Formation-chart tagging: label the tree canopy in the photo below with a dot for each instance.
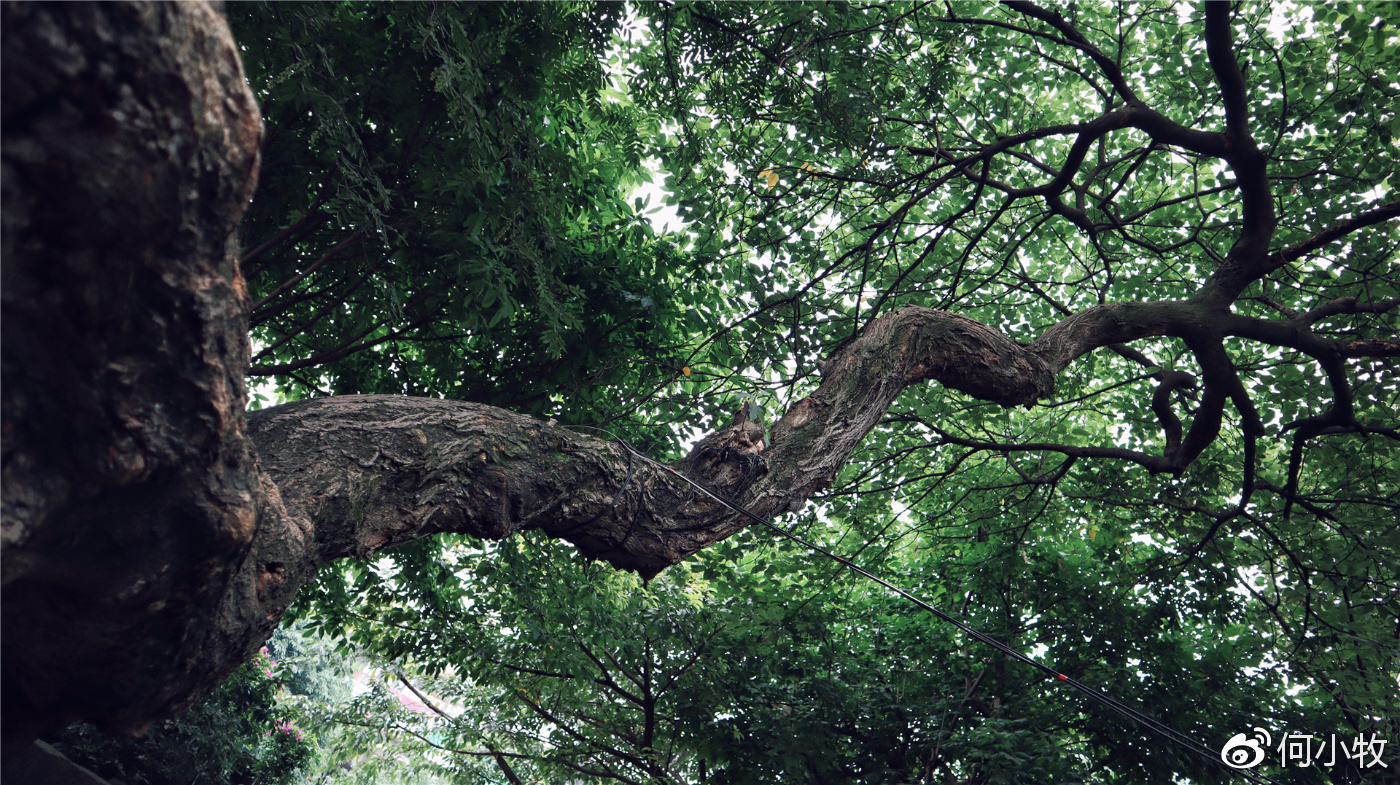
(443, 206)
(1148, 251)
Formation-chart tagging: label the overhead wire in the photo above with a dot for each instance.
(1094, 695)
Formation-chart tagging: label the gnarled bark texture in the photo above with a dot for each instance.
(130, 495)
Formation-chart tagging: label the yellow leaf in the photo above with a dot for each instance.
(769, 175)
(686, 370)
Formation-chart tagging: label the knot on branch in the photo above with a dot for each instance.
(728, 461)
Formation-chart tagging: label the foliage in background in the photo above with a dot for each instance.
(835, 161)
(241, 735)
(442, 209)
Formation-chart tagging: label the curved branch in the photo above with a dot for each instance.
(1105, 63)
(359, 473)
(1233, 93)
(1114, 323)
(1344, 305)
(1295, 334)
(1331, 234)
(1171, 381)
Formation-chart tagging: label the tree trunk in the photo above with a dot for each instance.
(130, 490)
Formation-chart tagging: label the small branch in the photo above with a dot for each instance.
(348, 242)
(336, 301)
(424, 698)
(313, 213)
(1231, 279)
(305, 224)
(1153, 463)
(1333, 233)
(349, 346)
(1344, 305)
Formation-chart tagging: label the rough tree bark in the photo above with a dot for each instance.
(130, 151)
(153, 535)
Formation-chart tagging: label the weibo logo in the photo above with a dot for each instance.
(1245, 752)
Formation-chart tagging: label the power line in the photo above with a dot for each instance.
(1152, 724)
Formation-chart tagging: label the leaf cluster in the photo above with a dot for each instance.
(442, 208)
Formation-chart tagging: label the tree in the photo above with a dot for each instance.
(1227, 218)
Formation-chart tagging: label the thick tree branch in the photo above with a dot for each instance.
(1162, 406)
(1115, 323)
(128, 480)
(1246, 260)
(1233, 94)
